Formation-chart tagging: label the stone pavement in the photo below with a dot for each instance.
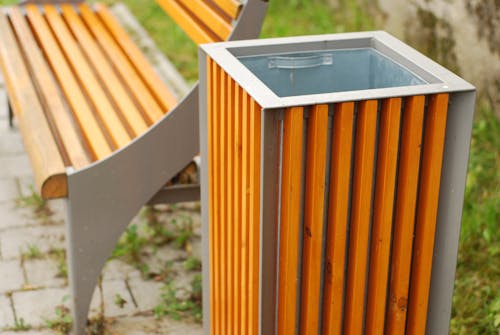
(32, 265)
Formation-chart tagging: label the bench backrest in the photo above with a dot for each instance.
(203, 21)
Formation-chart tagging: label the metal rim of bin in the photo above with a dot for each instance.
(455, 156)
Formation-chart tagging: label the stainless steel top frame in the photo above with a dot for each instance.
(434, 77)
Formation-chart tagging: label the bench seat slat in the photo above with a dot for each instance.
(50, 96)
(209, 17)
(39, 143)
(189, 24)
(103, 69)
(230, 7)
(91, 131)
(127, 72)
(90, 83)
(162, 93)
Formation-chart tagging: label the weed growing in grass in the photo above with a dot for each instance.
(35, 201)
(20, 324)
(130, 245)
(120, 301)
(59, 255)
(192, 264)
(62, 320)
(32, 251)
(184, 230)
(178, 308)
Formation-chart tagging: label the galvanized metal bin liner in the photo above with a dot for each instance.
(299, 133)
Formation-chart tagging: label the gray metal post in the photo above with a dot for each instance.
(269, 212)
(451, 197)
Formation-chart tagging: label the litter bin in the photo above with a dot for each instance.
(333, 176)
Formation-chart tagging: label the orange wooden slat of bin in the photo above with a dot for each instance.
(290, 219)
(360, 216)
(56, 112)
(91, 131)
(216, 194)
(245, 217)
(104, 71)
(387, 153)
(435, 129)
(338, 214)
(191, 25)
(313, 218)
(404, 223)
(87, 77)
(254, 217)
(223, 202)
(231, 220)
(237, 148)
(211, 202)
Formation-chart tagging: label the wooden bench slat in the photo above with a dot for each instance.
(104, 71)
(48, 167)
(115, 129)
(230, 7)
(91, 131)
(189, 24)
(209, 17)
(55, 110)
(127, 72)
(162, 93)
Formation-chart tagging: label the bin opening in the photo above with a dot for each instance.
(328, 71)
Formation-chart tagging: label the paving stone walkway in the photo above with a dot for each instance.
(32, 265)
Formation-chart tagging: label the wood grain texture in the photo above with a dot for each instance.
(254, 216)
(360, 216)
(245, 220)
(430, 179)
(85, 74)
(238, 192)
(223, 245)
(125, 106)
(404, 224)
(161, 92)
(217, 193)
(191, 25)
(48, 167)
(81, 109)
(149, 107)
(290, 225)
(338, 214)
(314, 212)
(58, 116)
(211, 191)
(385, 189)
(209, 17)
(230, 7)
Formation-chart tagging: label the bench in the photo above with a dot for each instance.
(100, 127)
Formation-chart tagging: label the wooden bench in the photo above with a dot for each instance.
(99, 126)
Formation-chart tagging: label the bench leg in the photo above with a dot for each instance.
(92, 232)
